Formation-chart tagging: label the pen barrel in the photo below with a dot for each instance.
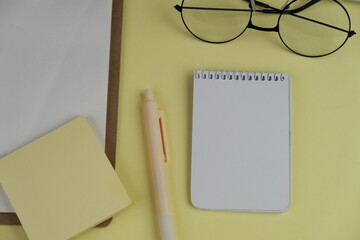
(157, 160)
(166, 227)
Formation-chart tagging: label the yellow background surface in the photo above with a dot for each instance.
(160, 54)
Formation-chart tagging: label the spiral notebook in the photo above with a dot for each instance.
(241, 141)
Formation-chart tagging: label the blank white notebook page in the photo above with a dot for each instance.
(241, 142)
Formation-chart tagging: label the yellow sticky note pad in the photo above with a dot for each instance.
(62, 183)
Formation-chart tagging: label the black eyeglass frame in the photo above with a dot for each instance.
(271, 10)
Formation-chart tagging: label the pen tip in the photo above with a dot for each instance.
(148, 95)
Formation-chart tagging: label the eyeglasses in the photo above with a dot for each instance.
(311, 28)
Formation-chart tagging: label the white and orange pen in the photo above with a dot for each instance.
(156, 136)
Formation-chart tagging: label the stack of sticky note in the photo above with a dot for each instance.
(62, 183)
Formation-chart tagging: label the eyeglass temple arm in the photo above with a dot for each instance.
(261, 4)
(264, 5)
(307, 5)
(350, 33)
(180, 8)
(276, 10)
(258, 3)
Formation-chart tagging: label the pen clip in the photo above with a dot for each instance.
(163, 135)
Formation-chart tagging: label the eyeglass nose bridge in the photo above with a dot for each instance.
(273, 29)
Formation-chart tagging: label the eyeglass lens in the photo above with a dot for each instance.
(310, 38)
(216, 25)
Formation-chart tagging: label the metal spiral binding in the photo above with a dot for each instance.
(239, 76)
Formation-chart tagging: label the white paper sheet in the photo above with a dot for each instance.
(241, 142)
(54, 60)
